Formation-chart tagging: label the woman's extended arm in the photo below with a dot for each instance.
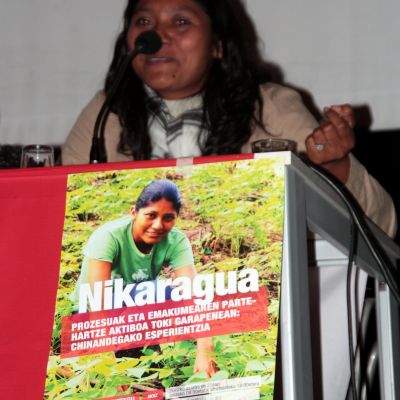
(205, 358)
(98, 271)
(330, 144)
(285, 115)
(336, 135)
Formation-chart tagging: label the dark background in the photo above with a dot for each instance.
(379, 152)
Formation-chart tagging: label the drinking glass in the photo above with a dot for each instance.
(37, 155)
(273, 144)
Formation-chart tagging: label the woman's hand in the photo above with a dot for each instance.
(329, 145)
(205, 359)
(99, 270)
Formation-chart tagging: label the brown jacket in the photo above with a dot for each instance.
(284, 116)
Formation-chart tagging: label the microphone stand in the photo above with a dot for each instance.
(148, 42)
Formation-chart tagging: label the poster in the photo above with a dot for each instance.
(114, 339)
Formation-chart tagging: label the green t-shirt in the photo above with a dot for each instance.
(113, 242)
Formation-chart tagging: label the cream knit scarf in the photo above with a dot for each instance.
(175, 126)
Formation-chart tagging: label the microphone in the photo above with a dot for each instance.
(148, 42)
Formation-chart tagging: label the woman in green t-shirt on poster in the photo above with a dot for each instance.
(136, 247)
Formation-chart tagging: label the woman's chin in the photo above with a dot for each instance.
(160, 80)
(162, 89)
(167, 88)
(153, 239)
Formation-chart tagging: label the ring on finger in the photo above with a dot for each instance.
(319, 146)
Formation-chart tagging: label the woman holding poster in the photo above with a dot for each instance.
(136, 247)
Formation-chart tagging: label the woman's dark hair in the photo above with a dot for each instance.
(157, 190)
(232, 100)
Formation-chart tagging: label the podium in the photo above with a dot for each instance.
(314, 209)
(313, 324)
